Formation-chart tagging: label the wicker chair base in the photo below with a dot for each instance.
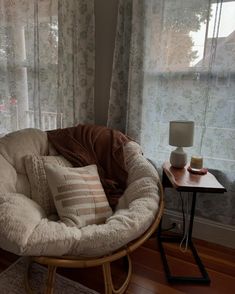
(73, 262)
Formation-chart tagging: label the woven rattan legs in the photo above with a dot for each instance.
(50, 280)
(49, 289)
(73, 262)
(109, 288)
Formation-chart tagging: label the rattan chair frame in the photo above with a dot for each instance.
(75, 262)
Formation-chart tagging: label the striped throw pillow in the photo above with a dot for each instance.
(78, 195)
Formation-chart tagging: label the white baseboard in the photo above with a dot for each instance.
(204, 229)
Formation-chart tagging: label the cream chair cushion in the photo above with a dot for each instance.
(25, 228)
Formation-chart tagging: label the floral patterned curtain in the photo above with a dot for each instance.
(46, 63)
(174, 60)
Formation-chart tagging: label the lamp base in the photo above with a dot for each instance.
(178, 158)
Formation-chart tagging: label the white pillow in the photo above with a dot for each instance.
(78, 195)
(40, 191)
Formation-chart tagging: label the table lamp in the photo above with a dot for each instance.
(180, 135)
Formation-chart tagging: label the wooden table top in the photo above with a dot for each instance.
(182, 180)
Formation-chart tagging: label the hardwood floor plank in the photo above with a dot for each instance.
(144, 266)
(220, 284)
(148, 273)
(222, 259)
(133, 289)
(153, 286)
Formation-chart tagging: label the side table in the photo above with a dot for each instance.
(183, 181)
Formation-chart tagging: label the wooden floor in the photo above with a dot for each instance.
(148, 275)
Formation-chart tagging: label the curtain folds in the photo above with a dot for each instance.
(174, 60)
(76, 64)
(127, 78)
(46, 63)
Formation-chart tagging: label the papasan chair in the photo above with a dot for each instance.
(34, 224)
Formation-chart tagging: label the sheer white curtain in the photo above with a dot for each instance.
(175, 60)
(46, 63)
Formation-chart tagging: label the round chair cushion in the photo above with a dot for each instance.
(26, 230)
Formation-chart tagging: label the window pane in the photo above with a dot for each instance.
(190, 74)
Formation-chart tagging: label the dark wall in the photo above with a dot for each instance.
(105, 29)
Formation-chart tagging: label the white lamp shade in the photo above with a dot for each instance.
(181, 133)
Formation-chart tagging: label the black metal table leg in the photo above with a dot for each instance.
(204, 278)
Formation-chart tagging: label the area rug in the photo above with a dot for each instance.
(12, 280)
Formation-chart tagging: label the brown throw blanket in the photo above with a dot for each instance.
(91, 144)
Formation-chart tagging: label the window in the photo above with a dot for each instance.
(191, 75)
(28, 65)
